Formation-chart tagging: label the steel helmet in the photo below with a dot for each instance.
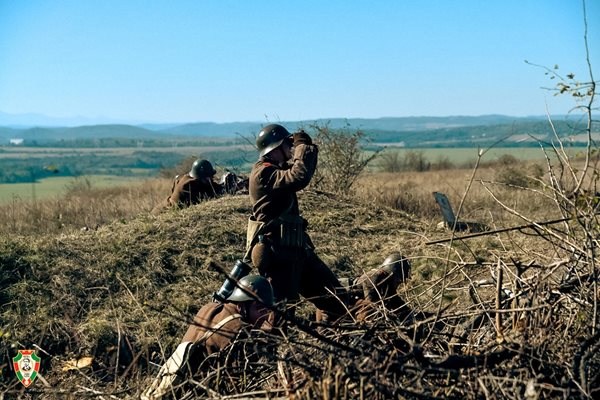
(397, 265)
(253, 287)
(270, 137)
(202, 169)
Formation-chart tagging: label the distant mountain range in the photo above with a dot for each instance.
(406, 131)
(31, 120)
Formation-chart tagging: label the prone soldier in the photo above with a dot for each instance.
(376, 291)
(198, 185)
(216, 325)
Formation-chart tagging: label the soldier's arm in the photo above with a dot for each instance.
(176, 198)
(175, 180)
(301, 172)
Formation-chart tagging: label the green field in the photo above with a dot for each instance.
(52, 152)
(56, 186)
(460, 155)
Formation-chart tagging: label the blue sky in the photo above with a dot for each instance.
(235, 60)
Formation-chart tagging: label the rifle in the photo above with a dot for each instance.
(514, 228)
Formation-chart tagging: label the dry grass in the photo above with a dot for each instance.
(412, 192)
(509, 315)
(83, 207)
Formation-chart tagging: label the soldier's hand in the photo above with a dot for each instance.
(301, 137)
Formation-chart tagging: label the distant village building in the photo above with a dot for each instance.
(15, 141)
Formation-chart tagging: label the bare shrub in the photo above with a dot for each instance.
(415, 160)
(519, 174)
(181, 168)
(442, 163)
(552, 300)
(390, 161)
(341, 158)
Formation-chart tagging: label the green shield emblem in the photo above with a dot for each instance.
(27, 366)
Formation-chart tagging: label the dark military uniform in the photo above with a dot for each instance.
(215, 327)
(368, 309)
(282, 251)
(380, 287)
(187, 191)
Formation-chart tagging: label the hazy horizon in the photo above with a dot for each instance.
(35, 119)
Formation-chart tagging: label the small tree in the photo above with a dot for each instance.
(341, 158)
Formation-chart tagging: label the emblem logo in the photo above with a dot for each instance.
(27, 366)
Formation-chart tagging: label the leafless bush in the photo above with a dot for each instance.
(442, 163)
(341, 158)
(552, 300)
(391, 161)
(518, 174)
(416, 161)
(412, 160)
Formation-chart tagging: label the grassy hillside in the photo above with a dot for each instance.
(123, 293)
(74, 295)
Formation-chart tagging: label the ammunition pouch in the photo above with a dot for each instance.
(287, 231)
(291, 231)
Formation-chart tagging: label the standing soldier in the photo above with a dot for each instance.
(193, 187)
(277, 241)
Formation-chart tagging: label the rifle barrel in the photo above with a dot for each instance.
(514, 228)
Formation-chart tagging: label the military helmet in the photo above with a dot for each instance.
(270, 137)
(202, 169)
(253, 284)
(397, 265)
